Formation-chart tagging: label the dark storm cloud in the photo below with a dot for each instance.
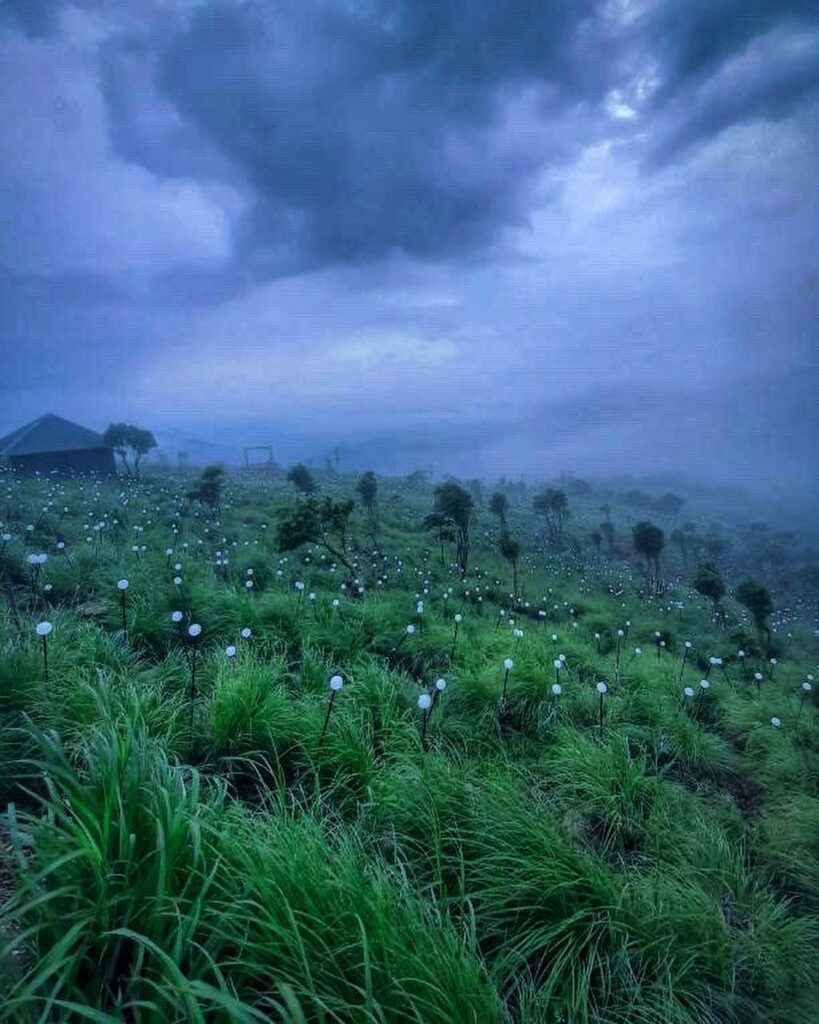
(359, 130)
(693, 38)
(34, 17)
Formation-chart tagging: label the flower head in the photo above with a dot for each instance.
(44, 628)
(424, 701)
(336, 682)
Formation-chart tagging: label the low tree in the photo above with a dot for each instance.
(710, 584)
(453, 510)
(208, 488)
(302, 479)
(757, 599)
(509, 549)
(131, 444)
(320, 521)
(669, 504)
(649, 541)
(553, 505)
(476, 490)
(498, 506)
(367, 488)
(680, 539)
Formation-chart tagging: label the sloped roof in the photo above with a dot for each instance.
(49, 433)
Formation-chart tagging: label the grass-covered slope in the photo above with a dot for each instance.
(192, 832)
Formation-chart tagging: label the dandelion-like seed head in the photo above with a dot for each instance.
(440, 685)
(689, 691)
(601, 687)
(246, 633)
(230, 651)
(122, 584)
(704, 684)
(410, 629)
(336, 682)
(424, 701)
(557, 689)
(776, 722)
(44, 628)
(176, 616)
(194, 629)
(459, 617)
(508, 664)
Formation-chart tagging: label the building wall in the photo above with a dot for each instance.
(84, 460)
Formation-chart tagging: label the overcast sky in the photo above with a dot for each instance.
(497, 236)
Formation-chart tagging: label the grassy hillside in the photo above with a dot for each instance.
(198, 828)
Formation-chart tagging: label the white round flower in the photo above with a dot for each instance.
(638, 650)
(246, 633)
(336, 682)
(601, 687)
(807, 686)
(688, 645)
(689, 691)
(704, 684)
(43, 628)
(459, 617)
(410, 629)
(122, 584)
(230, 651)
(508, 664)
(299, 585)
(776, 722)
(424, 701)
(440, 685)
(176, 616)
(177, 580)
(557, 689)
(758, 676)
(194, 629)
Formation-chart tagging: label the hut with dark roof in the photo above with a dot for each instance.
(51, 444)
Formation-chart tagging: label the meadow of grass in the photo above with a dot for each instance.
(193, 832)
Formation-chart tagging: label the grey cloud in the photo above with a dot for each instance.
(34, 17)
(693, 38)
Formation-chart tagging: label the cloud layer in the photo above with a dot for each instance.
(521, 235)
